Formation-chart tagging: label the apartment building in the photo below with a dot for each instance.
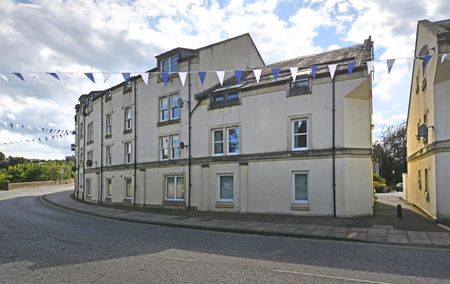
(428, 127)
(272, 145)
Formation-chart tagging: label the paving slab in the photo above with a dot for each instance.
(397, 239)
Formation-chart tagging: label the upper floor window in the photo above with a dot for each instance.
(90, 132)
(108, 155)
(81, 130)
(108, 124)
(299, 134)
(128, 118)
(108, 96)
(169, 108)
(169, 64)
(128, 153)
(169, 147)
(300, 86)
(127, 87)
(90, 104)
(224, 99)
(226, 141)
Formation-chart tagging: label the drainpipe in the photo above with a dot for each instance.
(84, 152)
(189, 135)
(135, 143)
(333, 149)
(101, 150)
(78, 156)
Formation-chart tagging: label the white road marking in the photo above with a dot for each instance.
(329, 276)
(176, 258)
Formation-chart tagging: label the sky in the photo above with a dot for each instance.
(73, 37)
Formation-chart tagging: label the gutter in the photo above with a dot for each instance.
(135, 144)
(333, 149)
(101, 150)
(189, 136)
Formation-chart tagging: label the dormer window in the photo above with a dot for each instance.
(169, 64)
(224, 99)
(127, 87)
(300, 86)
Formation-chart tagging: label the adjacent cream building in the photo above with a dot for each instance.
(428, 127)
(247, 146)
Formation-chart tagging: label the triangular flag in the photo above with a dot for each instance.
(46, 139)
(427, 59)
(126, 76)
(4, 77)
(275, 72)
(12, 125)
(369, 66)
(144, 77)
(90, 76)
(390, 63)
(445, 56)
(314, 71)
(54, 75)
(34, 75)
(106, 77)
(202, 76)
(238, 75)
(182, 76)
(410, 62)
(332, 69)
(257, 73)
(294, 71)
(350, 67)
(220, 76)
(165, 77)
(18, 75)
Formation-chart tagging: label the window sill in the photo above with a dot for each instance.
(168, 122)
(108, 136)
(128, 131)
(224, 104)
(300, 207)
(299, 91)
(225, 204)
(127, 200)
(176, 203)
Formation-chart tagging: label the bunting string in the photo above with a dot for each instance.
(24, 127)
(37, 140)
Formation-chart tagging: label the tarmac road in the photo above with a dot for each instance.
(42, 244)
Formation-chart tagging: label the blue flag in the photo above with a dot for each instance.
(314, 71)
(18, 75)
(275, 72)
(90, 76)
(126, 76)
(202, 76)
(427, 59)
(54, 75)
(351, 66)
(238, 75)
(165, 77)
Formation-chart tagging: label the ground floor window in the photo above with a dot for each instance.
(128, 188)
(88, 187)
(300, 187)
(226, 187)
(175, 188)
(108, 188)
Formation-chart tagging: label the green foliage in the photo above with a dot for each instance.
(379, 183)
(37, 171)
(2, 157)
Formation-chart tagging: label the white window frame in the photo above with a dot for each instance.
(166, 109)
(128, 120)
(172, 148)
(108, 155)
(90, 132)
(161, 148)
(108, 182)
(294, 201)
(109, 124)
(218, 187)
(169, 109)
(169, 59)
(88, 187)
(90, 156)
(293, 148)
(131, 184)
(128, 154)
(226, 140)
(175, 188)
(173, 106)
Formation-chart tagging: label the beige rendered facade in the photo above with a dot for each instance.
(428, 149)
(261, 147)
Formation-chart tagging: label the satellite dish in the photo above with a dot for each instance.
(72, 147)
(89, 163)
(180, 102)
(182, 145)
(423, 131)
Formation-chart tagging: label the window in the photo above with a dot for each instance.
(127, 87)
(299, 134)
(90, 104)
(81, 161)
(128, 188)
(224, 99)
(426, 179)
(88, 187)
(175, 188)
(81, 130)
(419, 179)
(168, 108)
(226, 186)
(169, 143)
(108, 155)
(108, 96)
(90, 133)
(169, 64)
(108, 188)
(90, 156)
(300, 187)
(232, 146)
(128, 118)
(128, 153)
(300, 86)
(108, 125)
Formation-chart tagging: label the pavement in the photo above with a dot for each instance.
(384, 226)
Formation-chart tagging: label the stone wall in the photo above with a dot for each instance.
(18, 185)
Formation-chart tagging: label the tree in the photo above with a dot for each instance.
(390, 152)
(2, 157)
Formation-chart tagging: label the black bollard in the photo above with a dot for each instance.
(399, 211)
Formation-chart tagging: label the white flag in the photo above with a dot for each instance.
(4, 77)
(369, 66)
(294, 71)
(409, 62)
(6, 125)
(445, 56)
(182, 77)
(220, 75)
(332, 68)
(257, 73)
(106, 77)
(144, 77)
